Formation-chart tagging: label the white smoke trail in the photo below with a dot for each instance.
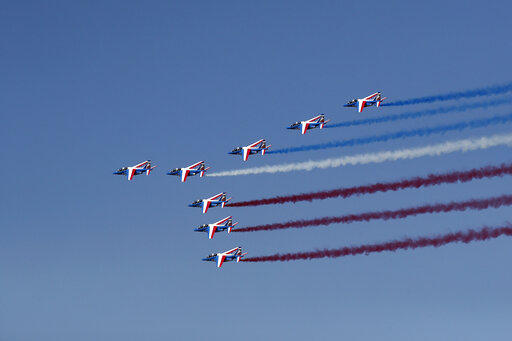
(465, 145)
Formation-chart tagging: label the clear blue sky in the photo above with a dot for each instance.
(88, 87)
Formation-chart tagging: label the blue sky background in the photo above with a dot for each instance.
(88, 87)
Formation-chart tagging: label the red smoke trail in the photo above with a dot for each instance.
(417, 182)
(485, 233)
(474, 204)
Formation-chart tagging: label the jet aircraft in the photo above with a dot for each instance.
(216, 200)
(253, 148)
(318, 121)
(196, 168)
(226, 256)
(221, 225)
(143, 167)
(373, 99)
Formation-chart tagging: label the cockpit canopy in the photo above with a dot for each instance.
(212, 255)
(203, 226)
(352, 101)
(176, 170)
(122, 169)
(237, 149)
(198, 201)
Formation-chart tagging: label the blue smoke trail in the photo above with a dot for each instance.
(423, 113)
(480, 123)
(492, 90)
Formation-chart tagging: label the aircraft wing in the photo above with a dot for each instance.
(360, 105)
(220, 259)
(247, 151)
(371, 96)
(216, 196)
(304, 127)
(255, 143)
(222, 221)
(130, 172)
(142, 164)
(311, 120)
(232, 251)
(211, 231)
(206, 205)
(184, 174)
(195, 165)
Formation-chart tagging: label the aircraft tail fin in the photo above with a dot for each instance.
(225, 201)
(240, 256)
(149, 168)
(323, 124)
(231, 227)
(202, 171)
(380, 101)
(265, 149)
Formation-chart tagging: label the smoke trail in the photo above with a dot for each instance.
(423, 113)
(473, 204)
(474, 124)
(464, 145)
(466, 237)
(417, 182)
(492, 90)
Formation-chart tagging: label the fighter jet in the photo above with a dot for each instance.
(196, 168)
(221, 225)
(216, 200)
(373, 99)
(253, 148)
(143, 167)
(318, 121)
(226, 256)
